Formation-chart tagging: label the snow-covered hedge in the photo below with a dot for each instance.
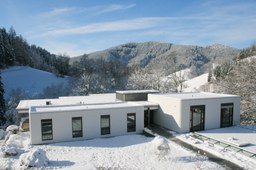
(34, 158)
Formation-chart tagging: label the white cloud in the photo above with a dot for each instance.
(58, 11)
(120, 25)
(115, 7)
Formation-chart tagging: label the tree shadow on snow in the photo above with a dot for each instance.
(60, 163)
(186, 159)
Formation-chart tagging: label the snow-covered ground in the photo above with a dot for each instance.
(232, 135)
(29, 79)
(194, 84)
(122, 152)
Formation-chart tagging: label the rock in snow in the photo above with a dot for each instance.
(34, 158)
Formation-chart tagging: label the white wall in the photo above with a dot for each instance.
(62, 123)
(174, 113)
(212, 112)
(169, 113)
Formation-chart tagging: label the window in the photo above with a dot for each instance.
(77, 127)
(226, 119)
(131, 122)
(197, 118)
(46, 125)
(105, 124)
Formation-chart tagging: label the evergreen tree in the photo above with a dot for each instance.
(2, 102)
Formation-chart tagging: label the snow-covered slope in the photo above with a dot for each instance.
(194, 84)
(29, 79)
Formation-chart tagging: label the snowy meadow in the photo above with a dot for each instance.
(122, 152)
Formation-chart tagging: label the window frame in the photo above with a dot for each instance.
(201, 125)
(80, 132)
(132, 127)
(45, 135)
(105, 130)
(225, 123)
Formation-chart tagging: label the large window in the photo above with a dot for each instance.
(226, 119)
(131, 122)
(197, 117)
(46, 125)
(77, 127)
(105, 124)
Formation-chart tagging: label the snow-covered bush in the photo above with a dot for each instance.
(161, 145)
(34, 158)
(13, 129)
(10, 151)
(18, 140)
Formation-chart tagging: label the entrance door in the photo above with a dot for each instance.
(226, 118)
(148, 117)
(197, 117)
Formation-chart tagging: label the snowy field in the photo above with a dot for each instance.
(194, 84)
(237, 136)
(122, 152)
(31, 80)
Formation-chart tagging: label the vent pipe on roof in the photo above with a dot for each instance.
(48, 103)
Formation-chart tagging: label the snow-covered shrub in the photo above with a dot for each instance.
(10, 151)
(161, 145)
(34, 158)
(2, 134)
(12, 128)
(20, 140)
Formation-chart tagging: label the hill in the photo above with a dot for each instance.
(162, 56)
(32, 81)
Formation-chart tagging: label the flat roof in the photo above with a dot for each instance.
(70, 100)
(51, 108)
(137, 91)
(194, 95)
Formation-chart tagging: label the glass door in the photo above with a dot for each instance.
(197, 117)
(226, 119)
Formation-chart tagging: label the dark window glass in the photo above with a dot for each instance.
(46, 125)
(197, 118)
(77, 127)
(105, 124)
(226, 119)
(131, 122)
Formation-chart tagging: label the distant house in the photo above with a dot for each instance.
(125, 112)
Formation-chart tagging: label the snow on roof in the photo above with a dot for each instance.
(43, 109)
(72, 100)
(194, 95)
(137, 91)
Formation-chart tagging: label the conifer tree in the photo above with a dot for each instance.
(2, 102)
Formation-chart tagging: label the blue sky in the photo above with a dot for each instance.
(76, 27)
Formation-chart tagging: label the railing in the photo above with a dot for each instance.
(225, 145)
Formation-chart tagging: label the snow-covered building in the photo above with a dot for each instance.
(188, 112)
(126, 112)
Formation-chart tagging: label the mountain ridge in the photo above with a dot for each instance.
(161, 56)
